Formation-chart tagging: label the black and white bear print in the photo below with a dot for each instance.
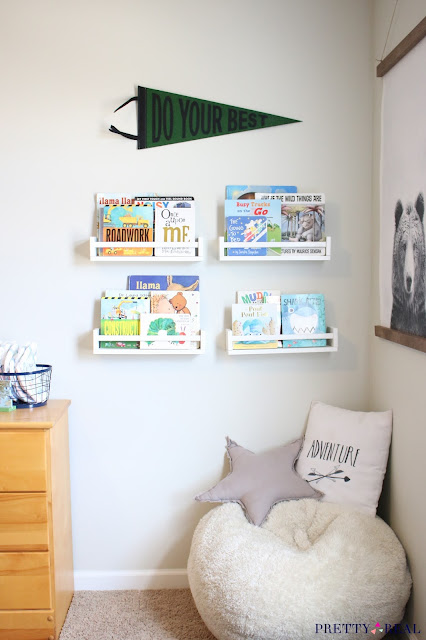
(408, 269)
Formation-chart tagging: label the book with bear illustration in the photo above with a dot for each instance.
(303, 314)
(180, 303)
(257, 320)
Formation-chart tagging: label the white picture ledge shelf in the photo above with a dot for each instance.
(98, 350)
(95, 245)
(331, 336)
(296, 250)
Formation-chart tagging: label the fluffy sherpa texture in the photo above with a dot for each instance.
(310, 563)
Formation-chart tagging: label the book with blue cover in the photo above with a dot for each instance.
(257, 320)
(303, 314)
(240, 191)
(162, 283)
(248, 229)
(264, 209)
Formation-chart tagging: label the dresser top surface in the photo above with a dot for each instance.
(38, 418)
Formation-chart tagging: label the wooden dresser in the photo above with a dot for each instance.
(36, 566)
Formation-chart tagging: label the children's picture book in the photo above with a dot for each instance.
(180, 303)
(248, 229)
(121, 317)
(271, 296)
(257, 320)
(303, 314)
(6, 396)
(269, 210)
(247, 191)
(125, 293)
(302, 220)
(163, 283)
(124, 218)
(174, 222)
(166, 324)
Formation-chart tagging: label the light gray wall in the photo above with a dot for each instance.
(148, 434)
(398, 373)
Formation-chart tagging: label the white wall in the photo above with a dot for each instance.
(148, 434)
(397, 372)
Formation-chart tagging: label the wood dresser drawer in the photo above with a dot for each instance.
(23, 522)
(36, 567)
(23, 461)
(27, 625)
(25, 581)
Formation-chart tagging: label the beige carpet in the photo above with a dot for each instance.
(165, 614)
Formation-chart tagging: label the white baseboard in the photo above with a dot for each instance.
(123, 580)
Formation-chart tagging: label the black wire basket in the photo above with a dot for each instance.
(30, 388)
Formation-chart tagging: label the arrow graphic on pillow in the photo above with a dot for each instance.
(330, 476)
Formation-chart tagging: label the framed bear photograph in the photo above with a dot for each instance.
(403, 193)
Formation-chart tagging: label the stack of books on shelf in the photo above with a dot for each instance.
(152, 309)
(260, 314)
(165, 220)
(272, 213)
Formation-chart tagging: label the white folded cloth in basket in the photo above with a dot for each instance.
(15, 359)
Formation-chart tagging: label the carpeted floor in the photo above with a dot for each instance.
(165, 614)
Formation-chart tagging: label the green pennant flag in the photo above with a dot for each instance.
(167, 118)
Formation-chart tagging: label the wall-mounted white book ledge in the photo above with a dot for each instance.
(170, 345)
(331, 338)
(173, 249)
(282, 250)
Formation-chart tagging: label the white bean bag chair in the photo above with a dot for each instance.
(310, 564)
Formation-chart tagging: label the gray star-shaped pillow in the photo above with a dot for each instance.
(258, 481)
